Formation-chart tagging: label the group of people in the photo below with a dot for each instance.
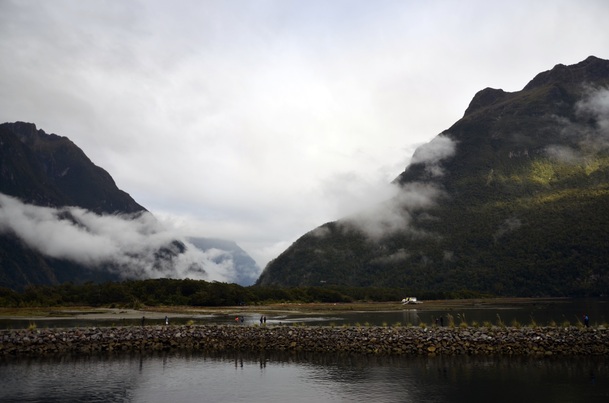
(241, 319)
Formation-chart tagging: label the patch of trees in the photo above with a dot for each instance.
(173, 292)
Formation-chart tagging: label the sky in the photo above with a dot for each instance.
(258, 121)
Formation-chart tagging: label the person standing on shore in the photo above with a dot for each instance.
(586, 320)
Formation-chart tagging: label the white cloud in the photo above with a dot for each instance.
(430, 154)
(395, 215)
(129, 244)
(595, 105)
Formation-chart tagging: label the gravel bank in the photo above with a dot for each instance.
(542, 341)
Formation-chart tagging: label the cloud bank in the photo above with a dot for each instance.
(593, 107)
(396, 214)
(134, 246)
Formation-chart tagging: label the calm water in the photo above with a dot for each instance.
(542, 313)
(198, 377)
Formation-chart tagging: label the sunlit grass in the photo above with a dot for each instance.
(500, 322)
(462, 321)
(451, 321)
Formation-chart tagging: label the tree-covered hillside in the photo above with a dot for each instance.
(511, 200)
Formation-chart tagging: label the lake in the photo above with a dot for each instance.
(277, 377)
(281, 377)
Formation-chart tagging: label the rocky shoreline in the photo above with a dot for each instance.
(539, 341)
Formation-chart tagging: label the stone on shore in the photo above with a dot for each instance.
(539, 341)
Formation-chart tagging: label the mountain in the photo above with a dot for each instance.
(510, 200)
(223, 252)
(63, 219)
(49, 170)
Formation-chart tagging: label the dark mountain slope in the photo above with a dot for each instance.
(511, 200)
(49, 170)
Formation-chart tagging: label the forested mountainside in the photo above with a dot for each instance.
(513, 199)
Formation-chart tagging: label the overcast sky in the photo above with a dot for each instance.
(257, 121)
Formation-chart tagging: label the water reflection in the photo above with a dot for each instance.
(301, 377)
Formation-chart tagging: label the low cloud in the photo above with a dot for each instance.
(586, 138)
(563, 154)
(399, 256)
(396, 214)
(134, 246)
(595, 105)
(508, 225)
(430, 154)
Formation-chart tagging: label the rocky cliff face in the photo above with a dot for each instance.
(510, 200)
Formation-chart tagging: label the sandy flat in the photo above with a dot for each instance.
(301, 308)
